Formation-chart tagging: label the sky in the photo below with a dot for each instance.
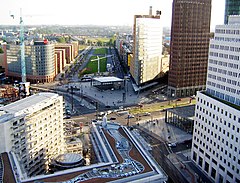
(92, 12)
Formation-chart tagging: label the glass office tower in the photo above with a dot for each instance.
(232, 7)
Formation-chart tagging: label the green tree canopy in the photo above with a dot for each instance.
(61, 40)
(99, 43)
(1, 50)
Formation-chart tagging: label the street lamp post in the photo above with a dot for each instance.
(96, 110)
(72, 96)
(128, 120)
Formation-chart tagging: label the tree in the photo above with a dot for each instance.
(99, 43)
(112, 40)
(211, 35)
(61, 40)
(1, 50)
(89, 42)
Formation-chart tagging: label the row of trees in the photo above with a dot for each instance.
(100, 42)
(63, 39)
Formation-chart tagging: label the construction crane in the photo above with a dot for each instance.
(22, 47)
(24, 86)
(98, 59)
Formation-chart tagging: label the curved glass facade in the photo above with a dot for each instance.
(40, 62)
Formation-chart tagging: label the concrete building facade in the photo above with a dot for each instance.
(189, 47)
(75, 48)
(216, 137)
(60, 59)
(68, 51)
(32, 132)
(147, 47)
(59, 63)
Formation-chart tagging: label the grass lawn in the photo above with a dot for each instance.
(92, 66)
(101, 51)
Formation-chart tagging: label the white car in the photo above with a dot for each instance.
(172, 144)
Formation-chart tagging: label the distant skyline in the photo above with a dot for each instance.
(92, 12)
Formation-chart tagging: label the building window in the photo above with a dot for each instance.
(207, 155)
(213, 173)
(194, 156)
(221, 167)
(200, 161)
(229, 174)
(206, 167)
(214, 161)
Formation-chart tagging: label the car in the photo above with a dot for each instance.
(68, 112)
(67, 117)
(172, 144)
(130, 116)
(193, 97)
(147, 114)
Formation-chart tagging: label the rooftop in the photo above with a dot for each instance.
(27, 105)
(69, 158)
(133, 162)
(185, 111)
(108, 79)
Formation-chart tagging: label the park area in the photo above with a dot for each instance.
(100, 51)
(92, 66)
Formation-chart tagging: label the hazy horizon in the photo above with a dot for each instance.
(92, 12)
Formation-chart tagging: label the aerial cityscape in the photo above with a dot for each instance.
(130, 92)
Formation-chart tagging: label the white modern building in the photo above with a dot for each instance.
(216, 137)
(147, 47)
(32, 132)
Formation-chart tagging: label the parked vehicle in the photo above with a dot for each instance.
(147, 114)
(172, 144)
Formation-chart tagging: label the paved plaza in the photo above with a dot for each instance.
(166, 131)
(108, 97)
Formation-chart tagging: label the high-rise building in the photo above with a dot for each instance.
(216, 137)
(39, 58)
(232, 7)
(190, 34)
(32, 132)
(147, 47)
